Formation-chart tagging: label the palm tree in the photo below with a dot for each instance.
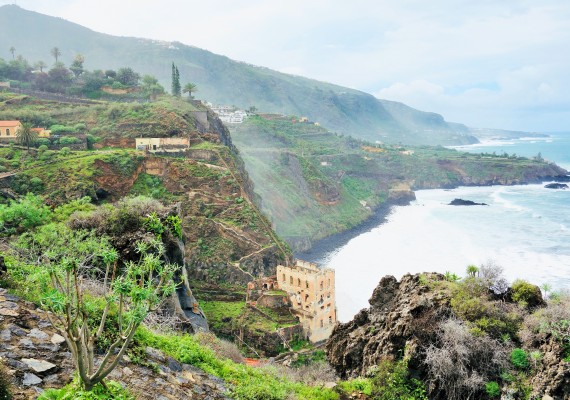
(40, 65)
(189, 88)
(26, 136)
(13, 51)
(55, 52)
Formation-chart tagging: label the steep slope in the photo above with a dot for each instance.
(222, 80)
(314, 183)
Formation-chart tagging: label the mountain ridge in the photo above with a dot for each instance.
(222, 80)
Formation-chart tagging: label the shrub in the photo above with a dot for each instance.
(519, 358)
(73, 391)
(493, 389)
(392, 381)
(65, 151)
(23, 214)
(42, 148)
(462, 363)
(526, 293)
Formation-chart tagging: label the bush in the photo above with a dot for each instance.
(23, 214)
(519, 358)
(493, 389)
(462, 363)
(67, 140)
(392, 381)
(526, 293)
(65, 151)
(42, 148)
(73, 391)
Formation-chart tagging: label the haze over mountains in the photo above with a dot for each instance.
(224, 81)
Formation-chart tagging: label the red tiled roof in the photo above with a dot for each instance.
(9, 123)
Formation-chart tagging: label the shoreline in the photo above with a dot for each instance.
(325, 246)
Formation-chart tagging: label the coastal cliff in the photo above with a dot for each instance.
(457, 336)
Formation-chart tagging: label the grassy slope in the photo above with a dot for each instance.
(296, 167)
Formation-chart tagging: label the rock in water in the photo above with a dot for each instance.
(461, 202)
(556, 185)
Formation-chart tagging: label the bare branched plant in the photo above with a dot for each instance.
(461, 363)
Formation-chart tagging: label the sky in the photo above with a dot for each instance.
(486, 63)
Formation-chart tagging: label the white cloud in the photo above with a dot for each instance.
(488, 62)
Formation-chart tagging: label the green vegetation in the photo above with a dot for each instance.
(74, 391)
(315, 183)
(493, 389)
(248, 383)
(392, 381)
(519, 358)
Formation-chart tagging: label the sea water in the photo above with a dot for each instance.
(524, 229)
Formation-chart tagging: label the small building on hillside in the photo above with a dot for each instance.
(8, 129)
(312, 294)
(42, 132)
(175, 144)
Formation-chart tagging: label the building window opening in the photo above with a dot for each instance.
(307, 284)
(306, 298)
(330, 320)
(7, 132)
(322, 323)
(321, 286)
(284, 278)
(290, 280)
(299, 282)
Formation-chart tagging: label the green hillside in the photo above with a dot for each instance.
(314, 183)
(222, 80)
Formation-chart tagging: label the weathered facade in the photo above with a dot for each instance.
(312, 293)
(162, 144)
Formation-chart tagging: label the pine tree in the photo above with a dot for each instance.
(175, 88)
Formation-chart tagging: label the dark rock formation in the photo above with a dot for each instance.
(556, 185)
(461, 202)
(402, 315)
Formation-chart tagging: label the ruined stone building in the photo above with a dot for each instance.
(312, 294)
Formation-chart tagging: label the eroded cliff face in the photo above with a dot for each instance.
(402, 316)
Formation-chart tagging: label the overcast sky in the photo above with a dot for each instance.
(486, 63)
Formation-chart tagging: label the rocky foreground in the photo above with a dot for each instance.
(410, 317)
(36, 359)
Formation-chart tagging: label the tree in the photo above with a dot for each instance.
(56, 53)
(189, 88)
(26, 136)
(40, 65)
(70, 260)
(150, 86)
(77, 65)
(128, 77)
(13, 51)
(175, 89)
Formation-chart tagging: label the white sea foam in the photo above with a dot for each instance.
(432, 236)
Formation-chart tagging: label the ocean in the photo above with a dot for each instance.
(524, 229)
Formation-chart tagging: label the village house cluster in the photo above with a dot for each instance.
(228, 114)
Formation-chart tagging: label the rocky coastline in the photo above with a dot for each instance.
(318, 250)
